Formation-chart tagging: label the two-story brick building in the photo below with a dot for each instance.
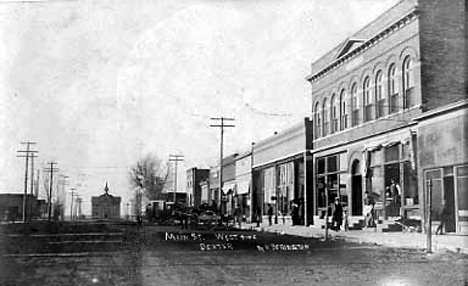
(381, 99)
(195, 177)
(106, 206)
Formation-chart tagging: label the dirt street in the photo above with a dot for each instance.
(171, 256)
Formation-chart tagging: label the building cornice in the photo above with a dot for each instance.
(364, 138)
(281, 159)
(404, 21)
(294, 131)
(443, 110)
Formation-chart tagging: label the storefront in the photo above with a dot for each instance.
(228, 202)
(280, 164)
(382, 167)
(243, 182)
(213, 194)
(443, 161)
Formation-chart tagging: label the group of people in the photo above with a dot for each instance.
(295, 211)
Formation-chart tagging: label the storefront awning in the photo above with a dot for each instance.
(229, 187)
(390, 143)
(243, 187)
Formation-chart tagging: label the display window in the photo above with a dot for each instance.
(331, 180)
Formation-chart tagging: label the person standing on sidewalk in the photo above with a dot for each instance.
(337, 217)
(258, 215)
(444, 218)
(294, 213)
(369, 210)
(346, 220)
(270, 214)
(395, 192)
(238, 215)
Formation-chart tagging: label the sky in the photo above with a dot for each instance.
(100, 83)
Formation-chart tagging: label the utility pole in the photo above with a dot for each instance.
(221, 126)
(252, 207)
(61, 195)
(31, 188)
(71, 203)
(51, 169)
(429, 217)
(79, 199)
(175, 159)
(36, 187)
(326, 211)
(26, 154)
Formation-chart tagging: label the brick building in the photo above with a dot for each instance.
(195, 177)
(383, 104)
(106, 206)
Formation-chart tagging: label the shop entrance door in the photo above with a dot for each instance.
(392, 199)
(449, 194)
(356, 189)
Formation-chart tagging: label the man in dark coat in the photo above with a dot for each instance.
(270, 214)
(337, 218)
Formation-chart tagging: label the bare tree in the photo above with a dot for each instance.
(150, 174)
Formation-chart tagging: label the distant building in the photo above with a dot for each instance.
(105, 206)
(242, 195)
(11, 207)
(213, 185)
(229, 184)
(194, 192)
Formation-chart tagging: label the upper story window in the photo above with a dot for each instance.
(318, 121)
(354, 105)
(325, 118)
(408, 82)
(367, 98)
(334, 113)
(343, 111)
(393, 89)
(379, 95)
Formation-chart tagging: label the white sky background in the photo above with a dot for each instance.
(97, 84)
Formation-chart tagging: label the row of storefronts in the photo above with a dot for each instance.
(389, 120)
(396, 167)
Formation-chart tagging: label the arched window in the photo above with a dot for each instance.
(354, 105)
(379, 94)
(367, 99)
(408, 82)
(334, 105)
(393, 88)
(318, 120)
(343, 111)
(325, 118)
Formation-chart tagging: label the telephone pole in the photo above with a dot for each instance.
(221, 126)
(175, 159)
(51, 170)
(61, 195)
(26, 154)
(31, 188)
(71, 203)
(79, 200)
